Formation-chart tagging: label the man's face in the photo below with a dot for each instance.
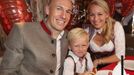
(59, 12)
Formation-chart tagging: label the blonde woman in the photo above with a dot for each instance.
(107, 42)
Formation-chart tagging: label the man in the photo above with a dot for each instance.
(38, 48)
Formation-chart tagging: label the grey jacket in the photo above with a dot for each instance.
(31, 51)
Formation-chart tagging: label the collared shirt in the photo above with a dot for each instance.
(80, 66)
(58, 52)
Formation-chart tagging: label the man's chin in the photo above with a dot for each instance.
(60, 29)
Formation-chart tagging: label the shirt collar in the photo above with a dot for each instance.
(76, 58)
(60, 35)
(43, 25)
(99, 31)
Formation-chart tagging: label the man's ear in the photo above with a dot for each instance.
(47, 10)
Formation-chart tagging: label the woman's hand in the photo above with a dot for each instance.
(94, 70)
(97, 62)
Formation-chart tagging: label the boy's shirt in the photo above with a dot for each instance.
(69, 64)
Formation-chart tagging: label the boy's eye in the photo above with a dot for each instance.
(76, 46)
(83, 45)
(100, 14)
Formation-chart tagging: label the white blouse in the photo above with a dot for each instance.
(80, 66)
(117, 44)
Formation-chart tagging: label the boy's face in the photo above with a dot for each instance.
(79, 46)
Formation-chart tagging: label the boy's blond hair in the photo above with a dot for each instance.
(77, 33)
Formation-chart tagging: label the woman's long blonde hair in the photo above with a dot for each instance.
(109, 27)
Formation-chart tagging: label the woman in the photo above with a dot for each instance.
(107, 42)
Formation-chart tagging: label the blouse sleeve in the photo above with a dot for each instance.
(68, 67)
(119, 40)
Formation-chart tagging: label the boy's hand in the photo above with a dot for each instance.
(94, 70)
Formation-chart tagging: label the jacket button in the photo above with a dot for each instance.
(52, 41)
(53, 55)
(51, 71)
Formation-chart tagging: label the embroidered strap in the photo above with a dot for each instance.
(86, 68)
(74, 63)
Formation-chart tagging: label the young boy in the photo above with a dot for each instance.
(78, 60)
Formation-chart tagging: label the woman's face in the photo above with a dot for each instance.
(97, 16)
